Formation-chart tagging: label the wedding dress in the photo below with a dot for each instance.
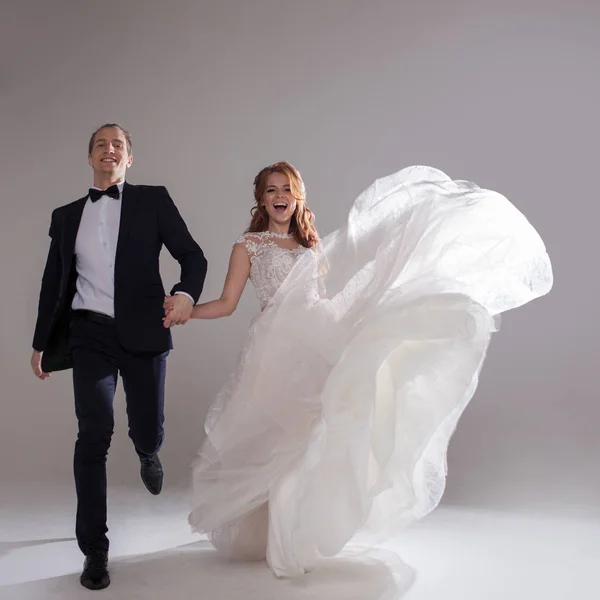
(365, 353)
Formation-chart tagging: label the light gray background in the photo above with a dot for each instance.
(502, 93)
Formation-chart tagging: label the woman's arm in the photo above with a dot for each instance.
(235, 282)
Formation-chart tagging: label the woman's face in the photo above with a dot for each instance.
(278, 200)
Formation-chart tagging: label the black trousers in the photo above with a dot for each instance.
(98, 358)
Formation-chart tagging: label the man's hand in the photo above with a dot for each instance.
(178, 310)
(36, 366)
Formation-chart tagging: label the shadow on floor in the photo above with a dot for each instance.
(196, 572)
(6, 547)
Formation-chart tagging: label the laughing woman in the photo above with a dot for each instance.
(366, 351)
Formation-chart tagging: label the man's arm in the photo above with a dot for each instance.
(48, 299)
(183, 248)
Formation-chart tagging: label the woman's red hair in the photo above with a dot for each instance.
(302, 224)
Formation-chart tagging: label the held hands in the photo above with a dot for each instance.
(36, 366)
(178, 310)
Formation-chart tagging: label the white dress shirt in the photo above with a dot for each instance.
(95, 252)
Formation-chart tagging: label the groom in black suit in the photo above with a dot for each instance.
(101, 313)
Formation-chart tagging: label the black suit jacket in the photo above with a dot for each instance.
(149, 219)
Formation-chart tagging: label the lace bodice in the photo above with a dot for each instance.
(270, 261)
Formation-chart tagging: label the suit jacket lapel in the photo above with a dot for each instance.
(128, 201)
(71, 228)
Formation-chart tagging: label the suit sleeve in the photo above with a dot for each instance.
(183, 248)
(49, 293)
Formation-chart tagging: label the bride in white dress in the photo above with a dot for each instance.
(366, 351)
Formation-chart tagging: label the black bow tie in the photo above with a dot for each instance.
(112, 191)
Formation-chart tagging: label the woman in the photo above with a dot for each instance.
(366, 351)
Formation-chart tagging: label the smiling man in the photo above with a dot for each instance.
(101, 313)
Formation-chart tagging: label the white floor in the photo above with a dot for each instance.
(455, 554)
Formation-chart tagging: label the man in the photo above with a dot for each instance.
(101, 313)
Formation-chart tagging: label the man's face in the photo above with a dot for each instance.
(110, 156)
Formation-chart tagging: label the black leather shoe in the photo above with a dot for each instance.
(95, 574)
(152, 474)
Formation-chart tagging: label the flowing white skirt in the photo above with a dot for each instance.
(351, 383)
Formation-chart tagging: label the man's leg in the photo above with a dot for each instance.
(144, 383)
(94, 382)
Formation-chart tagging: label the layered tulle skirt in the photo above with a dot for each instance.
(351, 382)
